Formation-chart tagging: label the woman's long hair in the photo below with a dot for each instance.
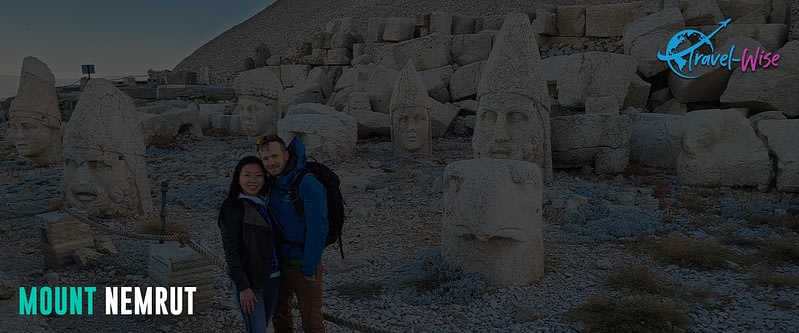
(235, 188)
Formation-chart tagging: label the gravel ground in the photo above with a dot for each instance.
(592, 224)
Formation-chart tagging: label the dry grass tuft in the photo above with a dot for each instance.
(784, 223)
(693, 201)
(775, 280)
(684, 251)
(635, 314)
(784, 249)
(360, 290)
(424, 284)
(638, 279)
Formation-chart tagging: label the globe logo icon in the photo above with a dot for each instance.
(677, 56)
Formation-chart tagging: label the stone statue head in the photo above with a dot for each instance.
(513, 102)
(105, 165)
(35, 118)
(258, 91)
(410, 114)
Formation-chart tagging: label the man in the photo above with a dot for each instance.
(302, 237)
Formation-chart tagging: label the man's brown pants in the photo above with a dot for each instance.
(309, 299)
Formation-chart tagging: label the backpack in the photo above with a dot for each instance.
(335, 201)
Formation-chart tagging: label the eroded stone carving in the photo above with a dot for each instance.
(410, 115)
(34, 115)
(492, 219)
(720, 148)
(105, 170)
(258, 92)
(513, 115)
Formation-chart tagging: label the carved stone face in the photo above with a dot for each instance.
(258, 117)
(32, 138)
(412, 128)
(102, 185)
(505, 130)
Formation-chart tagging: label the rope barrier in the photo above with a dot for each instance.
(184, 239)
(23, 213)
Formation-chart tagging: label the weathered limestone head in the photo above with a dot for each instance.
(492, 220)
(105, 170)
(410, 115)
(513, 112)
(258, 90)
(720, 148)
(35, 118)
(493, 199)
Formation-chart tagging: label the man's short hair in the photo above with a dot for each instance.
(266, 139)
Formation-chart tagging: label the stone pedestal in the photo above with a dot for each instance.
(173, 266)
(61, 236)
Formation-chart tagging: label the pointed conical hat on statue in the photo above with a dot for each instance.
(409, 91)
(36, 97)
(105, 125)
(514, 65)
(104, 120)
(258, 82)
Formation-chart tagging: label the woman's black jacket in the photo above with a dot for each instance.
(248, 242)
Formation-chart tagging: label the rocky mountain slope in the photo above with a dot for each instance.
(284, 25)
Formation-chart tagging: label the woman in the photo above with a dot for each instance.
(248, 237)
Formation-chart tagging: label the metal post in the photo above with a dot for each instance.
(164, 188)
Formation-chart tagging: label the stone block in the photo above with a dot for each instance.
(441, 24)
(375, 29)
(462, 25)
(782, 140)
(745, 11)
(171, 265)
(61, 235)
(594, 74)
(602, 104)
(720, 148)
(398, 29)
(465, 80)
(598, 140)
(656, 139)
(329, 136)
(470, 48)
(772, 88)
(291, 75)
(571, 20)
(426, 52)
(610, 20)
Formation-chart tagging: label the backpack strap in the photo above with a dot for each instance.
(295, 191)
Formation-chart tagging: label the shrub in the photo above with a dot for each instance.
(634, 314)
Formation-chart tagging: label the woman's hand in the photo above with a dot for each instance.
(247, 300)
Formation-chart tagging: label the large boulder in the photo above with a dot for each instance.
(595, 74)
(720, 148)
(782, 140)
(773, 88)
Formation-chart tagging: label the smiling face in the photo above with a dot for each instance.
(274, 158)
(252, 179)
(504, 129)
(100, 185)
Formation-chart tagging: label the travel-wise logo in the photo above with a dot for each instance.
(687, 51)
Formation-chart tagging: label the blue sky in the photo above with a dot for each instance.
(118, 37)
